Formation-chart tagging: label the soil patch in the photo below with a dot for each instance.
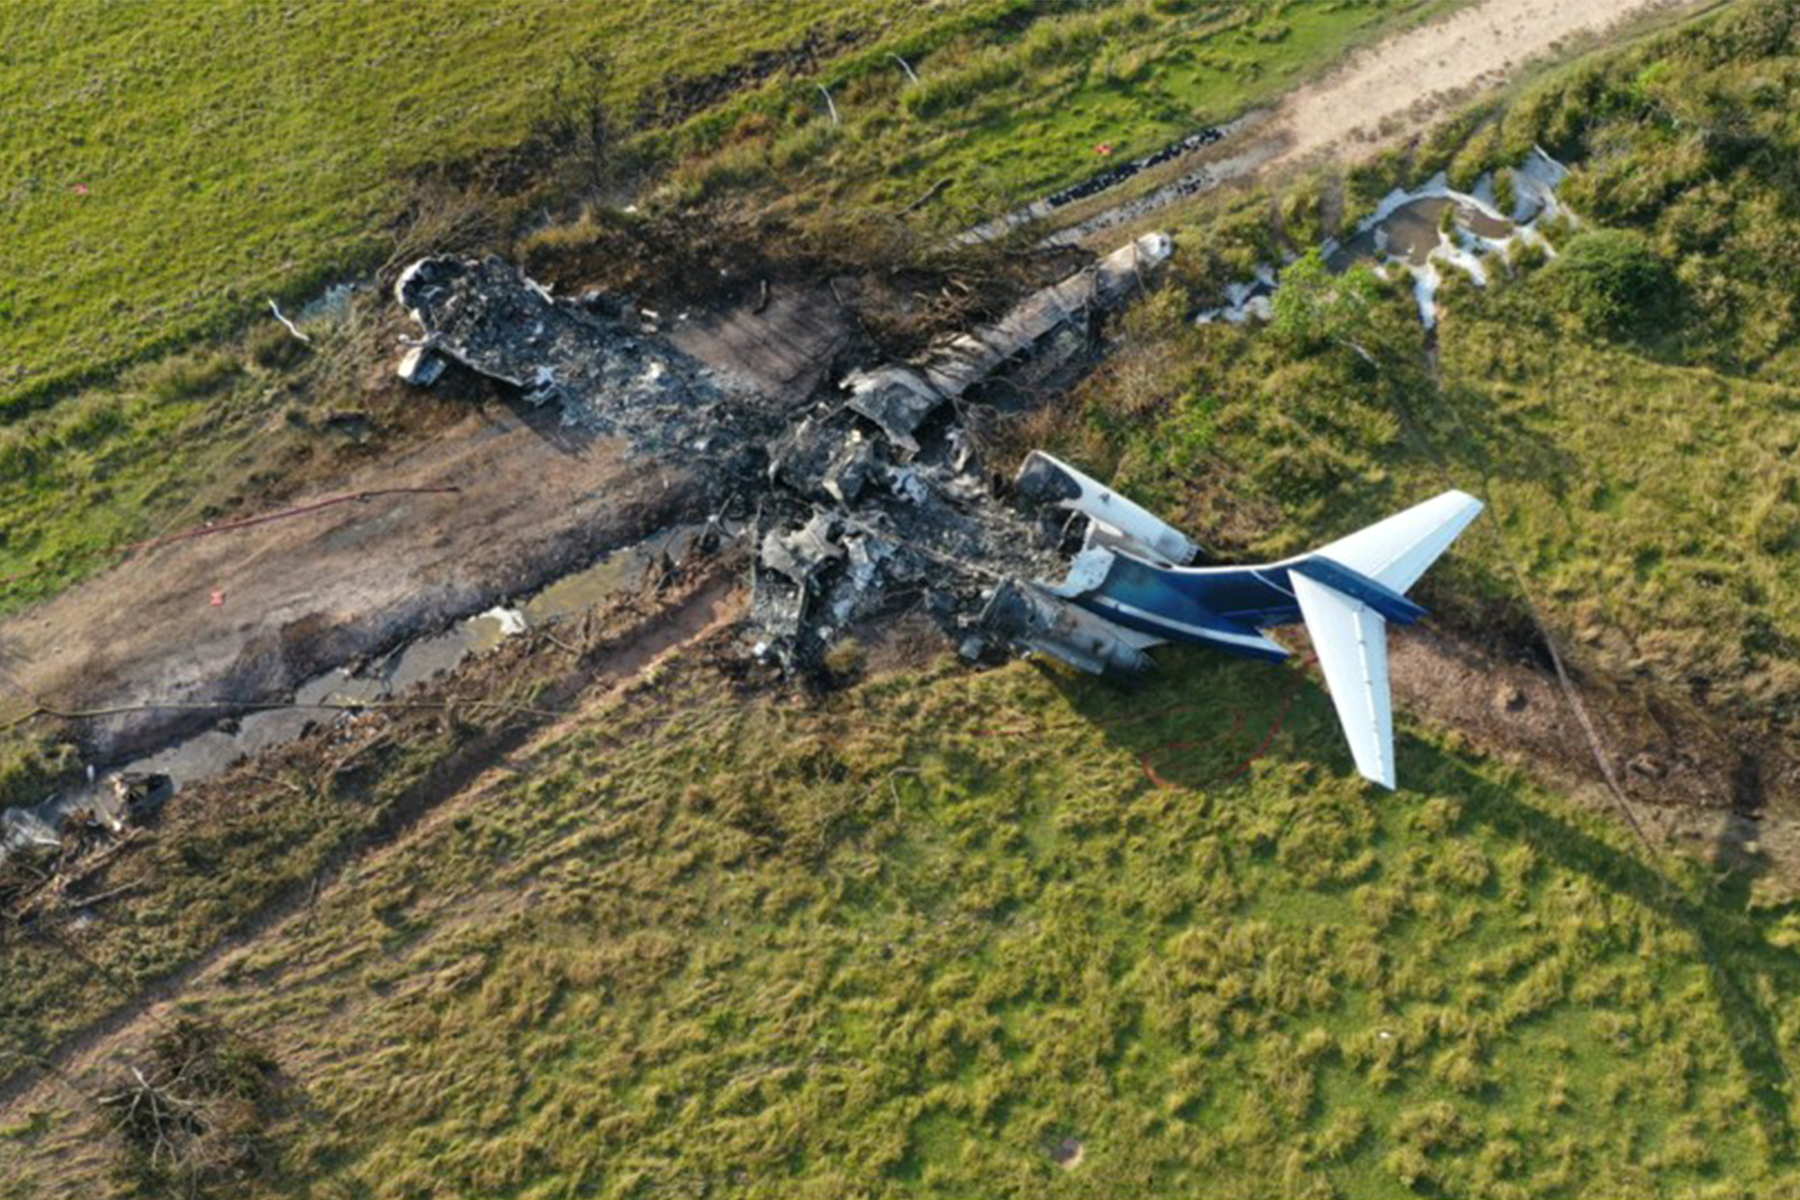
(248, 615)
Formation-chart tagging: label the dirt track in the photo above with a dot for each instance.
(304, 594)
(1385, 90)
(532, 501)
(1382, 95)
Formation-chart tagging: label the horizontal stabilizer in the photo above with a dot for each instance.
(1350, 639)
(1395, 552)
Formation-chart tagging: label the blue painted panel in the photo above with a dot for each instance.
(1354, 584)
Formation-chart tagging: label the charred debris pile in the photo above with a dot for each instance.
(866, 502)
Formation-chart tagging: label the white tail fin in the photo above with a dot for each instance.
(1351, 640)
(1350, 637)
(1395, 552)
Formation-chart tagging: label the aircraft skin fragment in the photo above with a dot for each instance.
(1049, 480)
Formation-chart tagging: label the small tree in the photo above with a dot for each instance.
(580, 121)
(1315, 308)
(1611, 282)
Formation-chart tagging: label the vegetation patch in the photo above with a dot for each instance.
(172, 169)
(1628, 409)
(920, 940)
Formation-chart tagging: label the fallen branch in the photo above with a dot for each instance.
(89, 901)
(291, 327)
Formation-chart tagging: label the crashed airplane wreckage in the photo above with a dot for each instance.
(1129, 588)
(873, 501)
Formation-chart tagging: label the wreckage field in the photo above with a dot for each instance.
(657, 680)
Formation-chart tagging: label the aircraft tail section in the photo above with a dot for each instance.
(1351, 641)
(1348, 591)
(1395, 552)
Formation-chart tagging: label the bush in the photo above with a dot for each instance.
(1506, 192)
(272, 347)
(1611, 282)
(986, 71)
(29, 769)
(1314, 308)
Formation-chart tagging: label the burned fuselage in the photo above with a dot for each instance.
(865, 501)
(874, 500)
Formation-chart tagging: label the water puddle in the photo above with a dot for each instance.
(208, 754)
(1422, 232)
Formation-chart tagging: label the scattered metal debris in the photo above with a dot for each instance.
(1093, 185)
(604, 374)
(420, 367)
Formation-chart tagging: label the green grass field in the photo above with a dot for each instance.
(912, 943)
(174, 164)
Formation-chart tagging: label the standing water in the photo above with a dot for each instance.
(1408, 233)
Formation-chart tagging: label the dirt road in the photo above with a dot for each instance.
(1380, 96)
(247, 615)
(244, 616)
(1383, 92)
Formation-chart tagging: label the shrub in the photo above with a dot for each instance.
(29, 768)
(1506, 192)
(90, 423)
(272, 347)
(987, 71)
(1611, 282)
(1314, 308)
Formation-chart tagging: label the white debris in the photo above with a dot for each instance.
(1534, 184)
(420, 367)
(907, 485)
(510, 620)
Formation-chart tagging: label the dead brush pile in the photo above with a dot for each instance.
(193, 1119)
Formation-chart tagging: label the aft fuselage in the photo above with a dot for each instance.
(1225, 607)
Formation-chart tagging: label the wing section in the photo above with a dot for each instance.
(1351, 641)
(1397, 551)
